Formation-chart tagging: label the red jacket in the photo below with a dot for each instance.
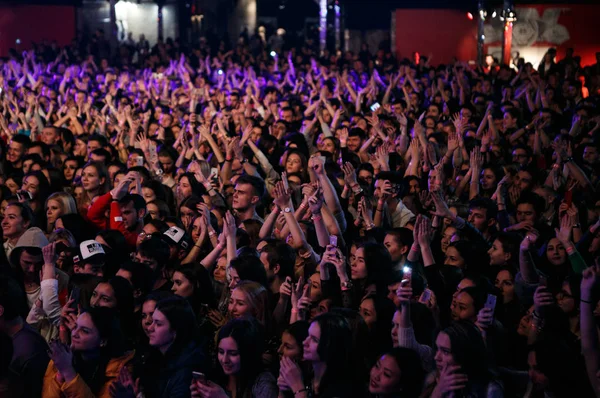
(96, 214)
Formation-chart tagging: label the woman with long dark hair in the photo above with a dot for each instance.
(91, 364)
(328, 350)
(240, 373)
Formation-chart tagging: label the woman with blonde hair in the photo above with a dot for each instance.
(249, 299)
(58, 204)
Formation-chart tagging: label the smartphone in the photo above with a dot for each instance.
(24, 195)
(333, 240)
(199, 376)
(284, 179)
(490, 302)
(426, 296)
(273, 54)
(375, 106)
(139, 161)
(75, 296)
(569, 198)
(407, 275)
(543, 281)
(214, 173)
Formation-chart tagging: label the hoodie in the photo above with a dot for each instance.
(52, 292)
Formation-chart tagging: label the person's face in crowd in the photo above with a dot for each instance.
(167, 164)
(556, 253)
(486, 87)
(148, 194)
(365, 176)
(90, 179)
(80, 148)
(220, 272)
(478, 217)
(353, 143)
(160, 333)
(565, 300)
(395, 248)
(395, 328)
(238, 304)
(182, 286)
(466, 113)
(278, 129)
(520, 156)
(166, 120)
(413, 187)
(27, 165)
(150, 262)
(31, 265)
(13, 224)
(449, 232)
(53, 210)
(243, 197)
(85, 336)
(385, 376)
(290, 348)
(132, 160)
(525, 324)
(506, 283)
(487, 180)
(12, 185)
(255, 134)
(184, 187)
(78, 193)
(196, 229)
(453, 258)
(103, 296)
(228, 355)
(526, 212)
(130, 215)
(31, 184)
(293, 164)
(186, 215)
(443, 354)
(153, 210)
(288, 115)
(311, 343)
(368, 312)
(69, 168)
(15, 152)
(50, 136)
(147, 311)
(92, 145)
(590, 155)
(358, 267)
(538, 379)
(433, 111)
(462, 308)
(497, 254)
(328, 146)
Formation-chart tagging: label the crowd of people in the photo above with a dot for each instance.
(234, 222)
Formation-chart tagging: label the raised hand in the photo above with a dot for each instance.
(349, 174)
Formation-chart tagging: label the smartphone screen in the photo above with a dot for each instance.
(333, 240)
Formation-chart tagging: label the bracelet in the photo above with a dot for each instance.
(317, 217)
(302, 390)
(570, 250)
(199, 247)
(229, 160)
(303, 205)
(379, 210)
(211, 233)
(586, 301)
(414, 248)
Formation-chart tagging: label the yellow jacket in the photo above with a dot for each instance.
(77, 388)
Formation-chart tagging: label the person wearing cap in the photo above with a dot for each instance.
(44, 295)
(179, 245)
(89, 259)
(127, 211)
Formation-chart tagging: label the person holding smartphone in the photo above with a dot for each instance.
(240, 371)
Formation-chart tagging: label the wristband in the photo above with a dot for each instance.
(317, 217)
(294, 310)
(229, 160)
(211, 233)
(414, 248)
(570, 250)
(199, 247)
(301, 390)
(586, 301)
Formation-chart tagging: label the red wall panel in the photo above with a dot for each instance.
(443, 33)
(31, 23)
